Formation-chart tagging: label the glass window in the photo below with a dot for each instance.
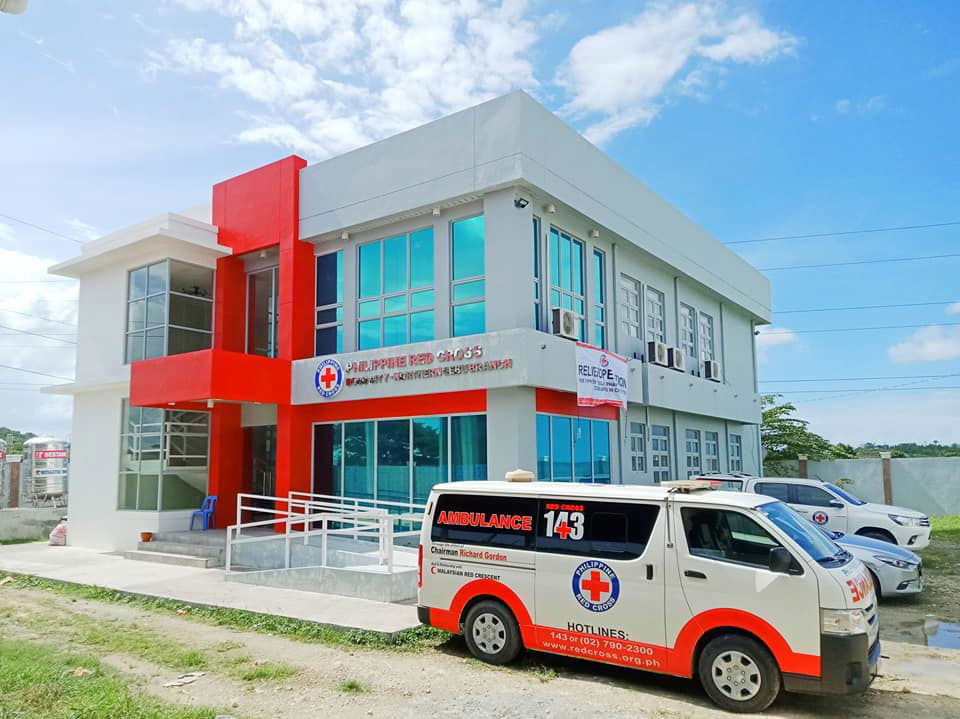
(163, 459)
(448, 526)
(537, 271)
(566, 277)
(688, 335)
(706, 337)
(582, 455)
(711, 451)
(656, 323)
(468, 448)
(630, 307)
(611, 530)
(599, 300)
(467, 292)
(813, 496)
(562, 449)
(726, 535)
(660, 452)
(358, 459)
(601, 452)
(736, 453)
(544, 470)
(638, 447)
(429, 456)
(393, 460)
(329, 328)
(777, 490)
(390, 270)
(263, 298)
(692, 446)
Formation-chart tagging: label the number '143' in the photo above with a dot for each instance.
(566, 525)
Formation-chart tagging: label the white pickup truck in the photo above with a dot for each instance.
(836, 509)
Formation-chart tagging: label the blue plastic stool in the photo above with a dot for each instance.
(205, 513)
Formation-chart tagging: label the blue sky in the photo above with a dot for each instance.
(758, 119)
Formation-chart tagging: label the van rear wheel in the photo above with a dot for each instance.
(739, 674)
(492, 633)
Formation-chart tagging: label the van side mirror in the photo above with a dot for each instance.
(780, 560)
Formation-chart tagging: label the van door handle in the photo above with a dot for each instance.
(649, 571)
(694, 575)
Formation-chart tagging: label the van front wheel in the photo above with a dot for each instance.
(739, 674)
(492, 633)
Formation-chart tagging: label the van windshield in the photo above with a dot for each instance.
(855, 501)
(801, 531)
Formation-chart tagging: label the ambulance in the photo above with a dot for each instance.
(733, 588)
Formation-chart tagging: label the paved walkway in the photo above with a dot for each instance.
(202, 586)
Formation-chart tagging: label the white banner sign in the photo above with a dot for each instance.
(601, 377)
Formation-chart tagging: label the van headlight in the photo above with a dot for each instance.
(905, 521)
(893, 561)
(843, 621)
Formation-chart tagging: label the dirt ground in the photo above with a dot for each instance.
(445, 681)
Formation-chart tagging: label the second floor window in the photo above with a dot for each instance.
(656, 321)
(395, 298)
(566, 276)
(169, 310)
(688, 335)
(468, 308)
(707, 350)
(599, 300)
(329, 329)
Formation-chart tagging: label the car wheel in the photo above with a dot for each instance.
(877, 534)
(739, 674)
(492, 633)
(876, 584)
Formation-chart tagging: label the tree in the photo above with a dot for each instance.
(15, 439)
(843, 451)
(784, 436)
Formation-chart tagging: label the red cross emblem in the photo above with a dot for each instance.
(563, 530)
(820, 517)
(596, 586)
(328, 377)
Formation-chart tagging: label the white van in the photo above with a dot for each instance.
(735, 588)
(838, 510)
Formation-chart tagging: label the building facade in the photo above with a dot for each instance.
(384, 320)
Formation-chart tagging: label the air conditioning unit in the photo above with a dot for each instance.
(564, 323)
(676, 359)
(711, 370)
(657, 353)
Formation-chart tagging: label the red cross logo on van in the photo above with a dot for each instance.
(596, 586)
(820, 517)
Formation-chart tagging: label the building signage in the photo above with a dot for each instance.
(468, 359)
(601, 377)
(51, 454)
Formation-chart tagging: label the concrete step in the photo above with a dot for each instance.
(192, 550)
(180, 560)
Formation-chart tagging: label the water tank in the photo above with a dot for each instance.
(43, 477)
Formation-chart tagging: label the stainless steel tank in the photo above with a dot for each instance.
(44, 471)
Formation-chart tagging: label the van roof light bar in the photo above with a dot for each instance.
(688, 486)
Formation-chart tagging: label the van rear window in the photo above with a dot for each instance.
(613, 530)
(488, 521)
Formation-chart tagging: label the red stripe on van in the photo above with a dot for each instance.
(677, 661)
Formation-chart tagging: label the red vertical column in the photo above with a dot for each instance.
(294, 442)
(226, 461)
(229, 308)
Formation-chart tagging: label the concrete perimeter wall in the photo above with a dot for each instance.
(927, 484)
(29, 522)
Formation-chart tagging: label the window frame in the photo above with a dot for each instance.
(711, 459)
(706, 337)
(637, 436)
(684, 509)
(598, 321)
(455, 283)
(661, 469)
(336, 306)
(273, 320)
(735, 459)
(572, 446)
(653, 299)
(690, 436)
(689, 336)
(558, 290)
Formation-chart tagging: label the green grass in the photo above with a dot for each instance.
(947, 528)
(943, 554)
(266, 671)
(38, 682)
(21, 540)
(407, 640)
(353, 686)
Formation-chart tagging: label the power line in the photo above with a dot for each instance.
(858, 329)
(38, 317)
(41, 228)
(844, 232)
(858, 390)
(864, 379)
(38, 334)
(859, 262)
(863, 307)
(30, 371)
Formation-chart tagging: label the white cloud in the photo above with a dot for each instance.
(953, 309)
(21, 404)
(84, 230)
(769, 337)
(928, 344)
(336, 74)
(618, 76)
(870, 106)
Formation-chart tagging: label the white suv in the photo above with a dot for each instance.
(836, 509)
